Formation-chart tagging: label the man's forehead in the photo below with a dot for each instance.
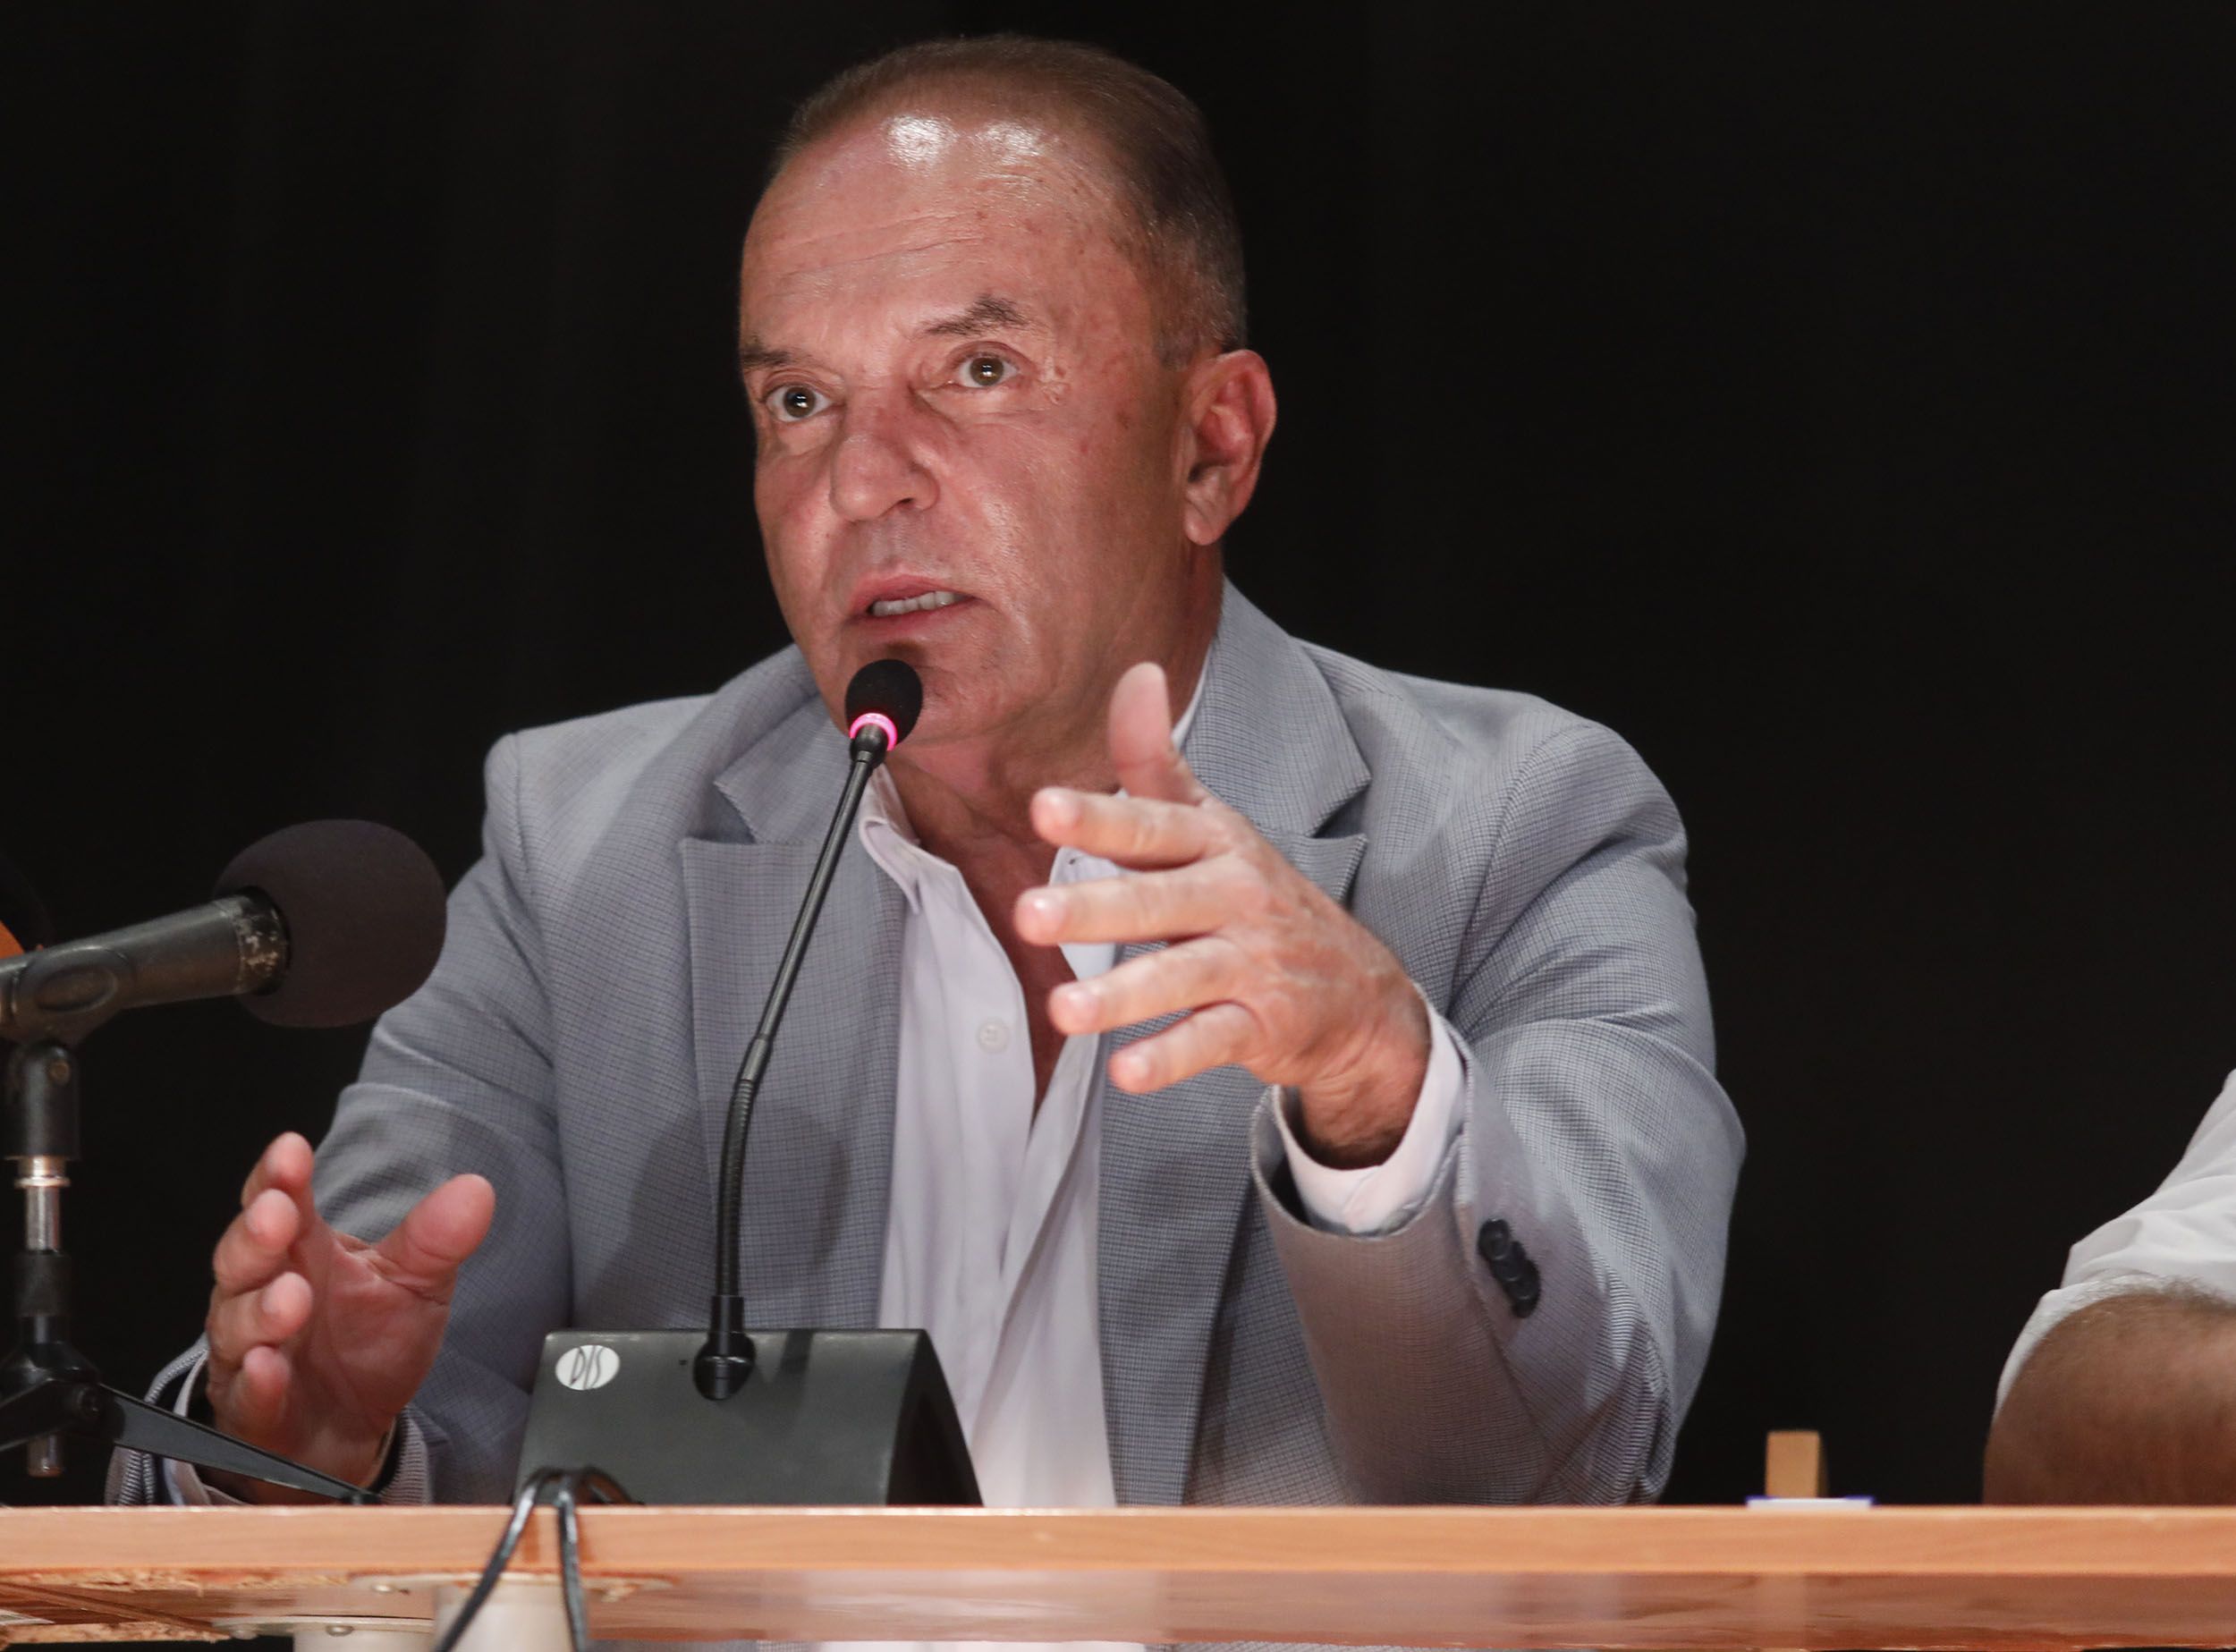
(917, 284)
(926, 137)
(933, 134)
(919, 241)
(919, 169)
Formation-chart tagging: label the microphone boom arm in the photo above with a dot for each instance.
(235, 944)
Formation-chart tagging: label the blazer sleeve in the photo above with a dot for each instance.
(458, 1078)
(1591, 1127)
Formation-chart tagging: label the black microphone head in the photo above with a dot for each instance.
(23, 921)
(887, 689)
(365, 916)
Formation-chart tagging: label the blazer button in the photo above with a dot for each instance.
(1508, 1262)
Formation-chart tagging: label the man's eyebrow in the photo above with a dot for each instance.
(752, 353)
(983, 317)
(989, 312)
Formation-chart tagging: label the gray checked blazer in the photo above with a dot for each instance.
(608, 954)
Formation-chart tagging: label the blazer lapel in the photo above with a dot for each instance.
(819, 1158)
(1269, 739)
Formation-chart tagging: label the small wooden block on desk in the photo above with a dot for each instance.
(1793, 1464)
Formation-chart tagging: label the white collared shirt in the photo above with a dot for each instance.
(2182, 1234)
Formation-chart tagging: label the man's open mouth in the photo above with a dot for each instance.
(913, 605)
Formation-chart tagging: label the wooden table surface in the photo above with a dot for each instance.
(1660, 1577)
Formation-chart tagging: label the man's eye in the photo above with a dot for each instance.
(790, 404)
(984, 372)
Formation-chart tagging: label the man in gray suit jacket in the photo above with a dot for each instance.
(1397, 1169)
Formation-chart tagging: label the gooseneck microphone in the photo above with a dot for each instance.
(882, 705)
(320, 925)
(727, 1415)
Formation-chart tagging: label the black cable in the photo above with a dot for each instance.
(605, 1489)
(571, 1564)
(499, 1559)
(562, 1484)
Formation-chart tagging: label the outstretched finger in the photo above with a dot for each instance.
(251, 1398)
(1141, 748)
(284, 1165)
(1142, 833)
(253, 1249)
(1211, 1037)
(255, 1319)
(439, 1233)
(1176, 977)
(1151, 906)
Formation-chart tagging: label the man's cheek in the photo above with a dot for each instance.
(795, 540)
(790, 500)
(781, 469)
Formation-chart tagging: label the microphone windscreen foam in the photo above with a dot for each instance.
(891, 689)
(364, 917)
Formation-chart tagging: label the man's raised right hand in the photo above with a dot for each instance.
(318, 1340)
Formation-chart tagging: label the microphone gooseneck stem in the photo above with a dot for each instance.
(726, 1362)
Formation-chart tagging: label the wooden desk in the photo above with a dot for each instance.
(1669, 1577)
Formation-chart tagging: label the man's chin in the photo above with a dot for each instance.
(978, 705)
(978, 688)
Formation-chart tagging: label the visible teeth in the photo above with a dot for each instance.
(912, 605)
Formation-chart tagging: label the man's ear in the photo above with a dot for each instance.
(1229, 419)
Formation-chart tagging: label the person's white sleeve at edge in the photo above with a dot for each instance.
(2182, 1236)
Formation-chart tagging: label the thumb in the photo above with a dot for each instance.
(439, 1233)
(1141, 748)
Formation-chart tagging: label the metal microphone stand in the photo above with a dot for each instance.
(48, 1389)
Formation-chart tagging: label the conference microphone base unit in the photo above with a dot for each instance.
(825, 1417)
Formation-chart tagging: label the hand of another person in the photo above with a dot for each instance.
(318, 1340)
(1277, 976)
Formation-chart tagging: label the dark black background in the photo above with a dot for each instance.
(1835, 399)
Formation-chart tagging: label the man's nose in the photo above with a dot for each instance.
(875, 467)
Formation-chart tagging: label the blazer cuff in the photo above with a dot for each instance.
(1380, 1199)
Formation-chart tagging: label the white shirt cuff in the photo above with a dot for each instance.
(1382, 1198)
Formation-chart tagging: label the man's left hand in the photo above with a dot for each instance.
(1276, 976)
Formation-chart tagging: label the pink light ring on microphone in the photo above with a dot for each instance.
(875, 719)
